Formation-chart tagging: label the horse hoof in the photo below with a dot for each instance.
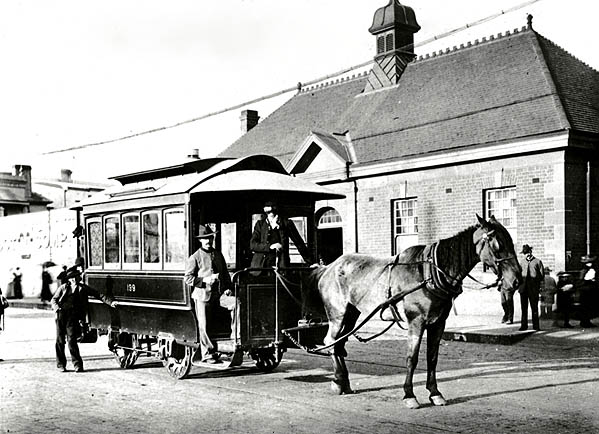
(437, 400)
(411, 403)
(341, 389)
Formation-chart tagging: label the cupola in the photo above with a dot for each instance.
(393, 26)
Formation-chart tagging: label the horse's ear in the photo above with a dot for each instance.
(492, 219)
(481, 220)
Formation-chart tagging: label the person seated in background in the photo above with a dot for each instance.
(270, 240)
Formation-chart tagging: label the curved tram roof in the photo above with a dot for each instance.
(175, 183)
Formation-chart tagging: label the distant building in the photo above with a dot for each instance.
(505, 126)
(16, 195)
(64, 192)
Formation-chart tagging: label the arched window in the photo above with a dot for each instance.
(330, 219)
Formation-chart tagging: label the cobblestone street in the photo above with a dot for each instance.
(544, 384)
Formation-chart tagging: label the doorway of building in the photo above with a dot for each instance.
(329, 235)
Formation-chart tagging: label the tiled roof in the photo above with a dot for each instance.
(512, 86)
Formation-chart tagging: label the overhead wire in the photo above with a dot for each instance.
(297, 87)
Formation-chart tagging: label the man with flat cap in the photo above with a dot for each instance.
(533, 275)
(69, 304)
(206, 272)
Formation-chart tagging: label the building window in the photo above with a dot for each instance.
(389, 42)
(380, 45)
(405, 224)
(174, 239)
(330, 219)
(501, 203)
(112, 245)
(151, 238)
(131, 239)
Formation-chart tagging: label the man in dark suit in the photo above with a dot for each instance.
(69, 304)
(270, 240)
(533, 275)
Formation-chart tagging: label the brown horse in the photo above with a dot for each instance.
(430, 277)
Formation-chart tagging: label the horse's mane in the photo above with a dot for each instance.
(458, 252)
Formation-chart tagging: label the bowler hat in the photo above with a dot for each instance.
(588, 258)
(526, 249)
(205, 231)
(73, 272)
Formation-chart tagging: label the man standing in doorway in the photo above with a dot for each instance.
(533, 275)
(206, 271)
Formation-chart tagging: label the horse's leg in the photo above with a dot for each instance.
(434, 334)
(341, 385)
(415, 332)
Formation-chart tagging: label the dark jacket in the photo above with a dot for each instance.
(533, 274)
(260, 244)
(75, 300)
(202, 264)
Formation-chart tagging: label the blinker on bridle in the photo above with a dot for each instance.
(485, 239)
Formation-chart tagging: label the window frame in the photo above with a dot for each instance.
(151, 265)
(394, 234)
(112, 265)
(169, 266)
(512, 229)
(88, 241)
(131, 265)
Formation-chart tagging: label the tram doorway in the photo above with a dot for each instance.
(329, 236)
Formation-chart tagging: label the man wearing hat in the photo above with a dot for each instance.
(270, 240)
(206, 271)
(533, 276)
(69, 304)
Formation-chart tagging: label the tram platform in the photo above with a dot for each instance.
(28, 303)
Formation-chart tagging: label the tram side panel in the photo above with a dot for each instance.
(148, 305)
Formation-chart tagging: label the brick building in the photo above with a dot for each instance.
(16, 195)
(505, 126)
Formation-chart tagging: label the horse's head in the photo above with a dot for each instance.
(495, 249)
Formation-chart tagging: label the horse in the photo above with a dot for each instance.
(427, 278)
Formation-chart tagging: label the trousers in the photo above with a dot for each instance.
(529, 295)
(507, 303)
(67, 329)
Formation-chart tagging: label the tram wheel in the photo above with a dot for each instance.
(125, 357)
(267, 359)
(178, 360)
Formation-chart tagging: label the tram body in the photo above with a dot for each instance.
(139, 235)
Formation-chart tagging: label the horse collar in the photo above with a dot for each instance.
(437, 278)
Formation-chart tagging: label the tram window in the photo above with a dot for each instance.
(131, 239)
(111, 242)
(301, 225)
(94, 237)
(151, 238)
(174, 239)
(228, 241)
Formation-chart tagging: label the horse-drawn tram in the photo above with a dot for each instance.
(140, 234)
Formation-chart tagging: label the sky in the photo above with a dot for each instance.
(77, 73)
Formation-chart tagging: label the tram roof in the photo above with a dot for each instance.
(253, 173)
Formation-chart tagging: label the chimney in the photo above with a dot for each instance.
(24, 172)
(393, 26)
(65, 175)
(249, 119)
(194, 154)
